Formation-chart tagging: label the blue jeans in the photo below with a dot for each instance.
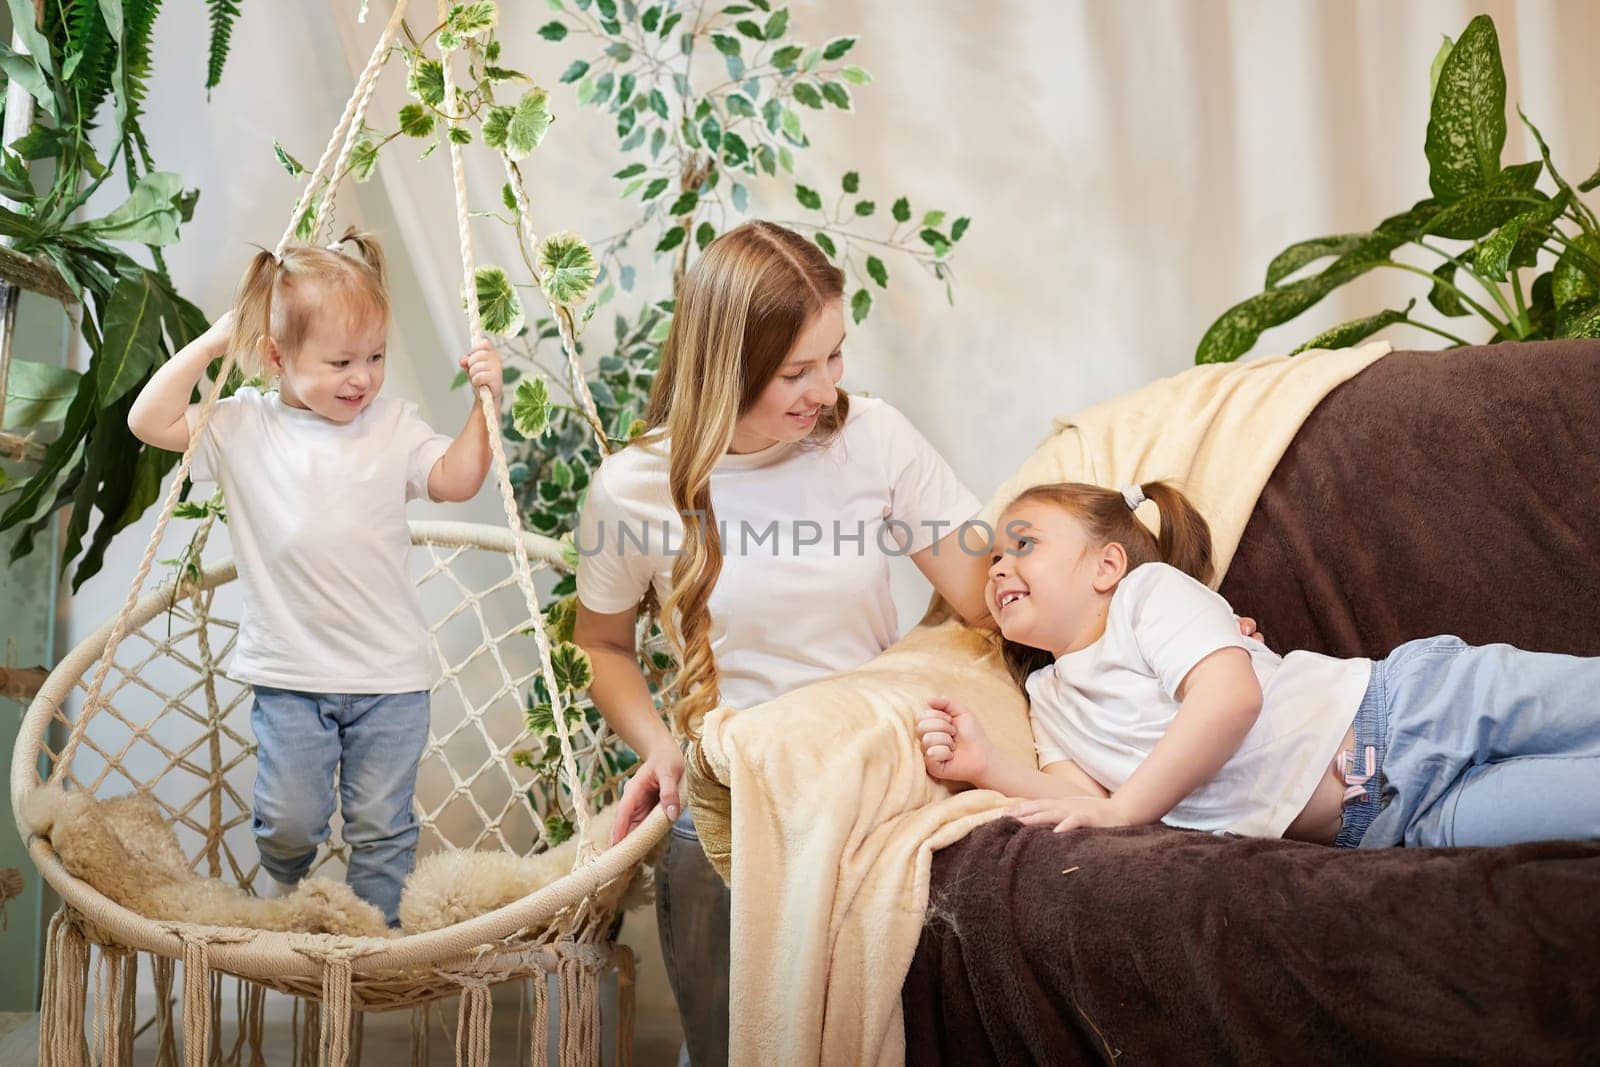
(1478, 746)
(375, 741)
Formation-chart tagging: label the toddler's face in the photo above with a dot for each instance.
(337, 371)
(1041, 579)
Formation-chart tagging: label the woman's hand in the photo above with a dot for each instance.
(1070, 813)
(954, 746)
(659, 777)
(482, 365)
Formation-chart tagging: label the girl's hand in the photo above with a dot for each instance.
(657, 778)
(954, 746)
(482, 365)
(219, 335)
(1247, 627)
(1069, 813)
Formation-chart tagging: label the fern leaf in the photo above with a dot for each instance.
(223, 14)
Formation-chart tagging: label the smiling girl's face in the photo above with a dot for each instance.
(337, 370)
(1049, 585)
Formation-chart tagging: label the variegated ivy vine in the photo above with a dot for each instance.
(706, 103)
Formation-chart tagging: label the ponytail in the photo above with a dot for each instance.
(1185, 538)
(252, 321)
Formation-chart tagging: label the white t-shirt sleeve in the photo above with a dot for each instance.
(1177, 622)
(613, 574)
(221, 433)
(423, 446)
(924, 491)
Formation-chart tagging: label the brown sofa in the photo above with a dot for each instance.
(1433, 493)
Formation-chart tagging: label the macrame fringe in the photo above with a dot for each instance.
(334, 1049)
(66, 984)
(196, 1002)
(166, 1039)
(473, 1016)
(578, 985)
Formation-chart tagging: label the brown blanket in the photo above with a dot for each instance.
(1433, 493)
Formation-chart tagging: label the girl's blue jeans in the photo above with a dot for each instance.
(1482, 745)
(374, 741)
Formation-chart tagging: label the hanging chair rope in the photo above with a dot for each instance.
(508, 501)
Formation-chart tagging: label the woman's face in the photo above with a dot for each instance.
(788, 408)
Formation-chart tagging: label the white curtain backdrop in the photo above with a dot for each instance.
(1130, 168)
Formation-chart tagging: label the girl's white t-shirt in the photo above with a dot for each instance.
(808, 530)
(317, 516)
(1106, 706)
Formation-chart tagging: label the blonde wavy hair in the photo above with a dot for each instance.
(280, 296)
(738, 313)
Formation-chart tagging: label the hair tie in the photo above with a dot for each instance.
(1133, 496)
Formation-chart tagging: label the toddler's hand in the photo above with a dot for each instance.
(482, 365)
(1069, 813)
(954, 746)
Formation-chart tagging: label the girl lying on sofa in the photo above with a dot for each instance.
(1148, 706)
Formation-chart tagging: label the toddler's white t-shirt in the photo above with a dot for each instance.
(317, 517)
(808, 531)
(1106, 706)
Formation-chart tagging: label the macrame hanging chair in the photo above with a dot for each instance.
(160, 718)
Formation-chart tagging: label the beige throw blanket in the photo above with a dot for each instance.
(834, 820)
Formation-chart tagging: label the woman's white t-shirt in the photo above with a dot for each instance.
(1106, 706)
(317, 516)
(807, 532)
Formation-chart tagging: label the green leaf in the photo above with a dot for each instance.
(38, 393)
(568, 268)
(498, 302)
(901, 210)
(1474, 214)
(704, 234)
(148, 216)
(1467, 121)
(1586, 324)
(416, 121)
(836, 48)
(656, 187)
(727, 44)
(518, 130)
(575, 70)
(460, 135)
(130, 348)
(632, 170)
(1298, 255)
(658, 104)
(1444, 298)
(1575, 279)
(530, 408)
(958, 228)
(671, 239)
(426, 82)
(836, 94)
(750, 29)
(777, 24)
(825, 243)
(363, 159)
(808, 197)
(866, 207)
(1495, 255)
(860, 305)
(791, 128)
(851, 182)
(933, 218)
(24, 71)
(61, 453)
(685, 203)
(786, 57)
(472, 19)
(807, 94)
(877, 271)
(855, 76)
(1347, 334)
(554, 30)
(572, 667)
(288, 162)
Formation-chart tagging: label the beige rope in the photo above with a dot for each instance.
(61, 1026)
(539, 1022)
(334, 1050)
(253, 1020)
(473, 1016)
(419, 1036)
(196, 1001)
(356, 106)
(166, 1039)
(578, 983)
(508, 502)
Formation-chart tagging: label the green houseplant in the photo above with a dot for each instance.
(1523, 260)
(84, 58)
